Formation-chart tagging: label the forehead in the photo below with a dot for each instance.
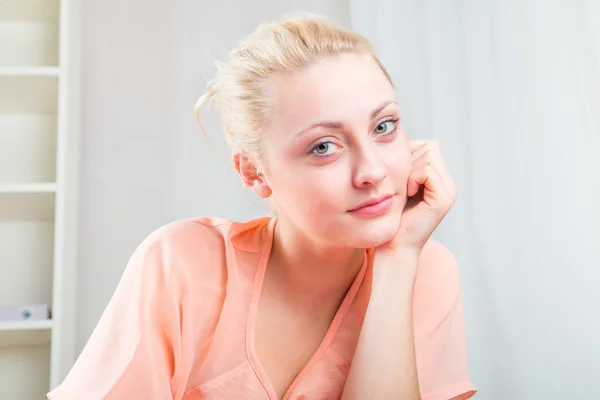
(336, 88)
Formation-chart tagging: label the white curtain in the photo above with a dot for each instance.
(511, 89)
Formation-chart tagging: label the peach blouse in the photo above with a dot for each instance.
(181, 323)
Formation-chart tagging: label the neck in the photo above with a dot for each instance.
(312, 274)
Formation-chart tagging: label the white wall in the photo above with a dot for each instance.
(144, 161)
(126, 157)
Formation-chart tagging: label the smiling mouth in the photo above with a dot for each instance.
(374, 206)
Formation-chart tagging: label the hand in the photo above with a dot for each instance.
(431, 193)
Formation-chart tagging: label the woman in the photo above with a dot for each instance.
(341, 295)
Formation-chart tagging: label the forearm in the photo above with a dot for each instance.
(384, 364)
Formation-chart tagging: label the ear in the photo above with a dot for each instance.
(251, 177)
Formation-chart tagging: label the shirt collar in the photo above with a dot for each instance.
(250, 236)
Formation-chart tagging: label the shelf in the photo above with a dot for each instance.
(39, 49)
(29, 10)
(28, 43)
(27, 147)
(24, 372)
(29, 32)
(28, 94)
(23, 202)
(24, 188)
(29, 71)
(25, 333)
(26, 260)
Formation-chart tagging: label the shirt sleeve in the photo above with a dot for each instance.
(134, 351)
(440, 342)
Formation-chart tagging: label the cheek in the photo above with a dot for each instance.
(399, 166)
(302, 192)
(401, 171)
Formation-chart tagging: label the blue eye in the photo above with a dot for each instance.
(386, 127)
(323, 149)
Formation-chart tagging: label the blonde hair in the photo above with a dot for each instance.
(240, 89)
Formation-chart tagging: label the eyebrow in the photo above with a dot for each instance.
(340, 125)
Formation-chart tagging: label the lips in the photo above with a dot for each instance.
(371, 202)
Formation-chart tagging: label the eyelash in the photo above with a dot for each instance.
(394, 122)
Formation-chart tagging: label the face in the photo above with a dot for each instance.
(336, 142)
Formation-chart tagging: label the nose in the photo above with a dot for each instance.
(370, 170)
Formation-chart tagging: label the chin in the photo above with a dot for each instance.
(374, 232)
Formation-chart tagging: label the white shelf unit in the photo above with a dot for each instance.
(39, 86)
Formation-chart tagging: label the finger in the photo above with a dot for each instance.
(424, 176)
(433, 158)
(415, 180)
(432, 150)
(425, 146)
(440, 166)
(429, 154)
(414, 145)
(434, 190)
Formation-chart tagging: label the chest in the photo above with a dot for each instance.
(286, 340)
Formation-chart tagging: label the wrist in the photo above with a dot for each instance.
(398, 266)
(400, 253)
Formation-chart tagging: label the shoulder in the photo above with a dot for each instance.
(187, 248)
(182, 231)
(437, 286)
(166, 253)
(207, 233)
(186, 236)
